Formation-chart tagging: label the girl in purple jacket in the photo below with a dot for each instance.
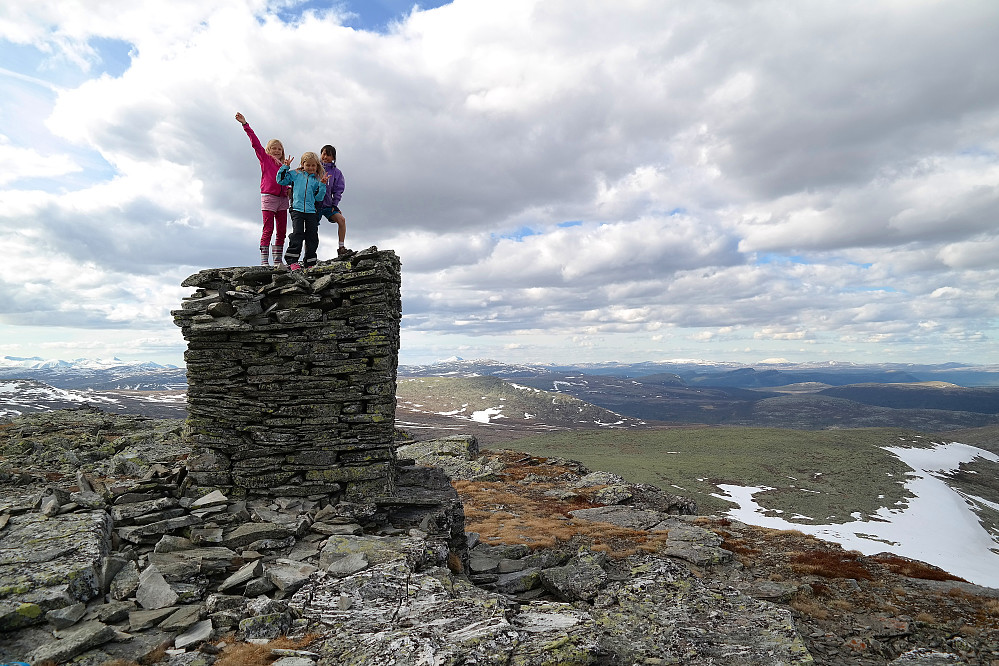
(273, 197)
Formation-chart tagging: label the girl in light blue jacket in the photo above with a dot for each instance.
(308, 183)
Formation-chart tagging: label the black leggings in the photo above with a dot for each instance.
(304, 226)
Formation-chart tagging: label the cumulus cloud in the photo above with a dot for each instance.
(635, 174)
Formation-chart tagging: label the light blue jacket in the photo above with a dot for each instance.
(307, 190)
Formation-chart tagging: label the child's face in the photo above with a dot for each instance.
(310, 167)
(276, 150)
(326, 157)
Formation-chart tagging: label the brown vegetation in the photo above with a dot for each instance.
(250, 654)
(530, 506)
(830, 564)
(912, 568)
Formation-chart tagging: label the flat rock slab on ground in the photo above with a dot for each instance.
(48, 563)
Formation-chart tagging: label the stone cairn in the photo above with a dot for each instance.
(291, 378)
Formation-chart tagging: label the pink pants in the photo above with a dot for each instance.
(270, 217)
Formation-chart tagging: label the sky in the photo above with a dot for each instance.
(563, 180)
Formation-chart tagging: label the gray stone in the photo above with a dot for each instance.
(576, 581)
(258, 586)
(178, 570)
(34, 580)
(250, 532)
(482, 563)
(198, 633)
(112, 612)
(144, 619)
(124, 513)
(330, 529)
(375, 549)
(347, 565)
(247, 572)
(154, 592)
(206, 536)
(50, 506)
(294, 661)
(169, 544)
(617, 494)
(182, 618)
(270, 544)
(510, 566)
(622, 516)
(213, 498)
(518, 581)
(140, 533)
(269, 626)
(927, 657)
(87, 636)
(62, 618)
(289, 575)
(110, 568)
(125, 582)
(653, 617)
(88, 499)
(598, 478)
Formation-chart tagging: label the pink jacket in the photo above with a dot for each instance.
(268, 166)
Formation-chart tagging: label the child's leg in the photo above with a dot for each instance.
(311, 238)
(281, 226)
(265, 237)
(295, 238)
(281, 217)
(341, 223)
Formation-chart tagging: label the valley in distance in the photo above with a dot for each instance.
(820, 448)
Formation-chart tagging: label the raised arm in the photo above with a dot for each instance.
(254, 141)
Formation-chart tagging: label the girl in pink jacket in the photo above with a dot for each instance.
(273, 197)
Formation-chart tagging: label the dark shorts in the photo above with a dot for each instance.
(328, 212)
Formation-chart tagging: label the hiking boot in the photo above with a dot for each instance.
(343, 252)
(295, 267)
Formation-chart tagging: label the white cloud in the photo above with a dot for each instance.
(748, 174)
(21, 163)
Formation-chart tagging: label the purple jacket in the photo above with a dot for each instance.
(268, 166)
(334, 186)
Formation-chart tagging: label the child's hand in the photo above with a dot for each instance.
(287, 161)
(241, 118)
(325, 177)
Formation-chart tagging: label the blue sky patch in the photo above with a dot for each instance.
(368, 15)
(774, 258)
(113, 58)
(517, 234)
(115, 54)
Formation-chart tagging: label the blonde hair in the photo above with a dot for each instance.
(275, 142)
(310, 157)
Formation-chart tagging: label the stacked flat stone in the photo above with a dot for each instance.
(291, 377)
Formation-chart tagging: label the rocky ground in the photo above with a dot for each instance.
(565, 565)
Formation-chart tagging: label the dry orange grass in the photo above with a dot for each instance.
(525, 515)
(808, 607)
(250, 654)
(829, 564)
(911, 568)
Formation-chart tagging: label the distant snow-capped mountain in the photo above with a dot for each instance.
(109, 374)
(771, 372)
(23, 396)
(459, 367)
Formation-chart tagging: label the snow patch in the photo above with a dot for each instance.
(937, 525)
